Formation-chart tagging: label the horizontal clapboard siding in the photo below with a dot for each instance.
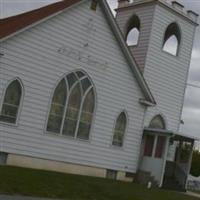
(33, 57)
(167, 74)
(145, 14)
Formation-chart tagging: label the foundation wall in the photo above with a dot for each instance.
(37, 163)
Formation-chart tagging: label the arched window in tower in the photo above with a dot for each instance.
(172, 39)
(119, 131)
(72, 106)
(157, 122)
(133, 31)
(11, 102)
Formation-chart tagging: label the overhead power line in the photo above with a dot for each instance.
(193, 85)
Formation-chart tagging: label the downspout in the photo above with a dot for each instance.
(189, 163)
(1, 88)
(165, 160)
(142, 132)
(146, 104)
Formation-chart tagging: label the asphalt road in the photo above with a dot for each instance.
(5, 197)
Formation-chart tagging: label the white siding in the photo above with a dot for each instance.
(32, 56)
(145, 14)
(165, 74)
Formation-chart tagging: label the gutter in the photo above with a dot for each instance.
(160, 131)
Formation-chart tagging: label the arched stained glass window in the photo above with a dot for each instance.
(86, 115)
(157, 122)
(73, 108)
(57, 107)
(77, 104)
(119, 131)
(11, 102)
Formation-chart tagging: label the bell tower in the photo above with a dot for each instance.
(160, 36)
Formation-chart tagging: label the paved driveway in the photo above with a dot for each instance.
(5, 197)
(193, 194)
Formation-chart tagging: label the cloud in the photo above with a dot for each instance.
(196, 53)
(191, 121)
(14, 7)
(194, 73)
(192, 98)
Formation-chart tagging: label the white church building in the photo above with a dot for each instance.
(85, 93)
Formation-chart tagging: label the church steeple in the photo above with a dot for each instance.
(160, 37)
(139, 15)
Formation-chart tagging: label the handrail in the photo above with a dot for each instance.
(180, 175)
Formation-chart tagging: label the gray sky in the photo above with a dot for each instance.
(191, 111)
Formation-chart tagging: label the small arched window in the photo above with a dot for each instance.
(119, 131)
(11, 102)
(172, 39)
(157, 122)
(133, 31)
(72, 106)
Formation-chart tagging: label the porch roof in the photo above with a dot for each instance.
(184, 137)
(175, 135)
(155, 130)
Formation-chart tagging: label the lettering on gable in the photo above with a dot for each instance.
(82, 57)
(89, 31)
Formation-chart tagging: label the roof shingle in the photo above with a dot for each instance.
(13, 24)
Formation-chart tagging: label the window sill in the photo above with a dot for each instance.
(147, 156)
(134, 45)
(66, 137)
(117, 147)
(9, 124)
(153, 157)
(172, 55)
(158, 158)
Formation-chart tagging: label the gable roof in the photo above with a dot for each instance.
(12, 25)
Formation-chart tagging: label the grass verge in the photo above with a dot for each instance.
(195, 191)
(30, 182)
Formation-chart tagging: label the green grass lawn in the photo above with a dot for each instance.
(14, 180)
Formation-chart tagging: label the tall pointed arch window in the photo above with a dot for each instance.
(172, 39)
(119, 131)
(72, 106)
(11, 102)
(157, 122)
(133, 31)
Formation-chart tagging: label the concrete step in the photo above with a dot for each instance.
(144, 177)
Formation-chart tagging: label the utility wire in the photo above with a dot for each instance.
(193, 85)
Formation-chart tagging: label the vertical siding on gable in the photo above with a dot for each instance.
(33, 56)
